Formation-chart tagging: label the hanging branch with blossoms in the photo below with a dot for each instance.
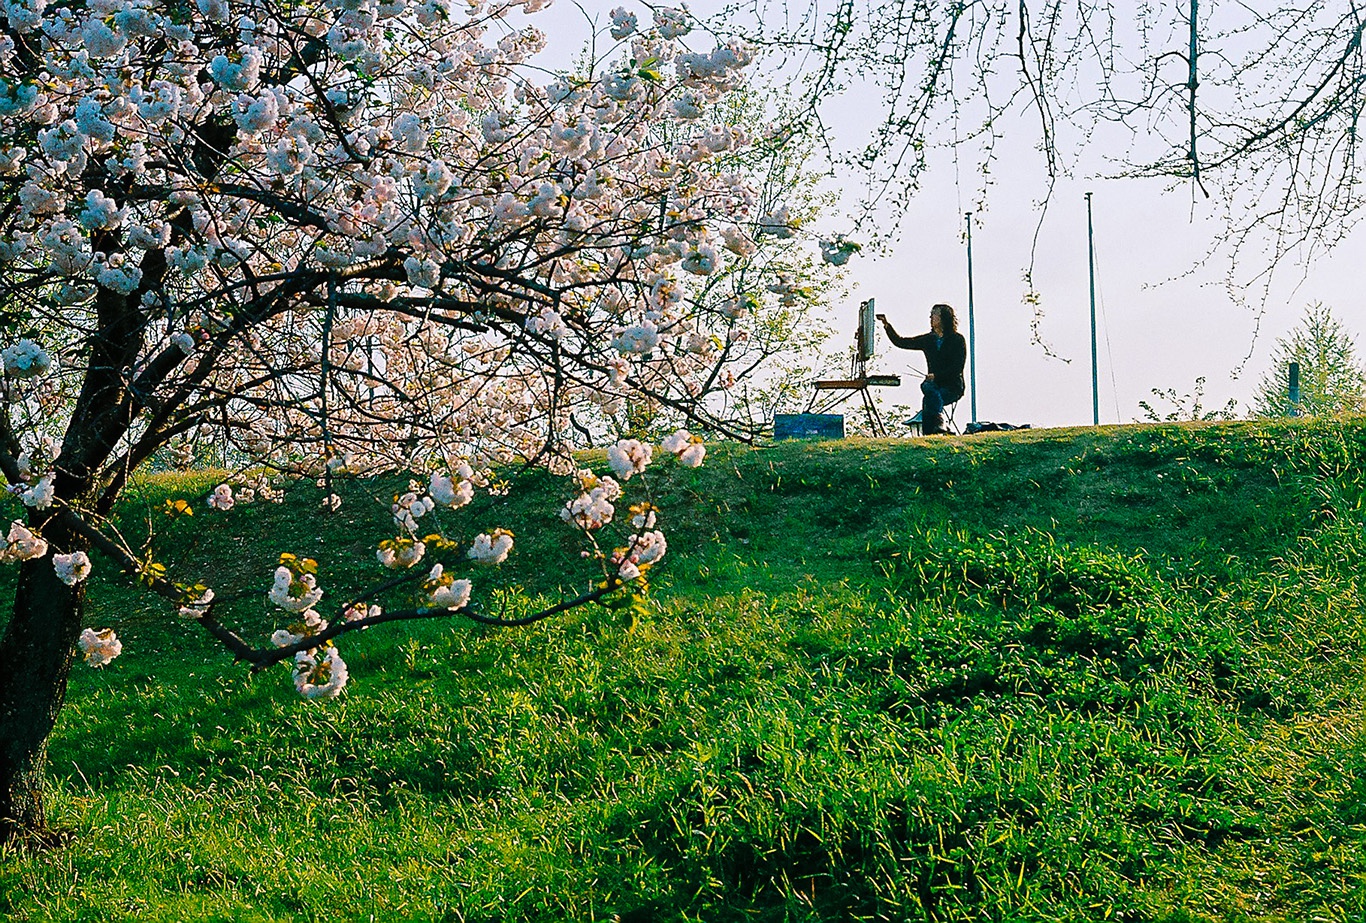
(309, 639)
(336, 239)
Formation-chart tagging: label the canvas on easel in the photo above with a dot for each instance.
(831, 393)
(866, 338)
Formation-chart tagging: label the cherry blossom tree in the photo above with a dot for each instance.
(338, 237)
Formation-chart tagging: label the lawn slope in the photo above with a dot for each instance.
(1057, 675)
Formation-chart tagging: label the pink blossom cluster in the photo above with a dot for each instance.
(37, 493)
(71, 568)
(35, 486)
(400, 553)
(491, 548)
(320, 674)
(22, 544)
(688, 448)
(444, 591)
(408, 508)
(99, 646)
(641, 551)
(25, 359)
(308, 624)
(628, 457)
(293, 591)
(452, 491)
(592, 508)
(197, 606)
(221, 498)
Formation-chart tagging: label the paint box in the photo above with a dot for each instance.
(808, 426)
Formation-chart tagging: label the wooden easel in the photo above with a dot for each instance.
(830, 393)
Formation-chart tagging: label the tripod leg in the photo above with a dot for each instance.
(874, 418)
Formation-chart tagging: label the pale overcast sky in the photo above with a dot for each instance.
(1160, 324)
(1163, 321)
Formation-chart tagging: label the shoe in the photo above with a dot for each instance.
(933, 426)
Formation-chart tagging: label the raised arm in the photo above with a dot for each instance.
(921, 342)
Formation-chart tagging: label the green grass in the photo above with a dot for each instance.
(1054, 675)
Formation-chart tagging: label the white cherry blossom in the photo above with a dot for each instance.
(629, 457)
(38, 495)
(686, 447)
(294, 594)
(71, 568)
(25, 359)
(320, 677)
(491, 548)
(22, 544)
(99, 646)
(450, 492)
(197, 607)
(647, 547)
(445, 592)
(399, 554)
(624, 23)
(221, 498)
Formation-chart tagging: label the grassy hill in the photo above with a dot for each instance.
(1071, 675)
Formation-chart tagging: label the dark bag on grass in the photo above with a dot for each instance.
(987, 427)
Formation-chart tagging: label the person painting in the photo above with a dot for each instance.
(946, 352)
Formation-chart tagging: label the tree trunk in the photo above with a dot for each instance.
(35, 660)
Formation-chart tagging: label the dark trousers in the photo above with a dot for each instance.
(932, 405)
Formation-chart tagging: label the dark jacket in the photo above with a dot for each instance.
(945, 359)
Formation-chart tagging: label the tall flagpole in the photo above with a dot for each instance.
(972, 328)
(1095, 369)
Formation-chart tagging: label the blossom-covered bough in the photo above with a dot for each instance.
(340, 238)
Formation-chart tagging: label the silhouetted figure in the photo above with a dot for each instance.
(946, 352)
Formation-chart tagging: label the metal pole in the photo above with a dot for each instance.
(972, 329)
(1095, 368)
(1294, 389)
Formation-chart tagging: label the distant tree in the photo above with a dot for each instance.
(1331, 376)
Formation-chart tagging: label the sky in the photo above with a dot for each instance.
(1159, 325)
(1163, 321)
